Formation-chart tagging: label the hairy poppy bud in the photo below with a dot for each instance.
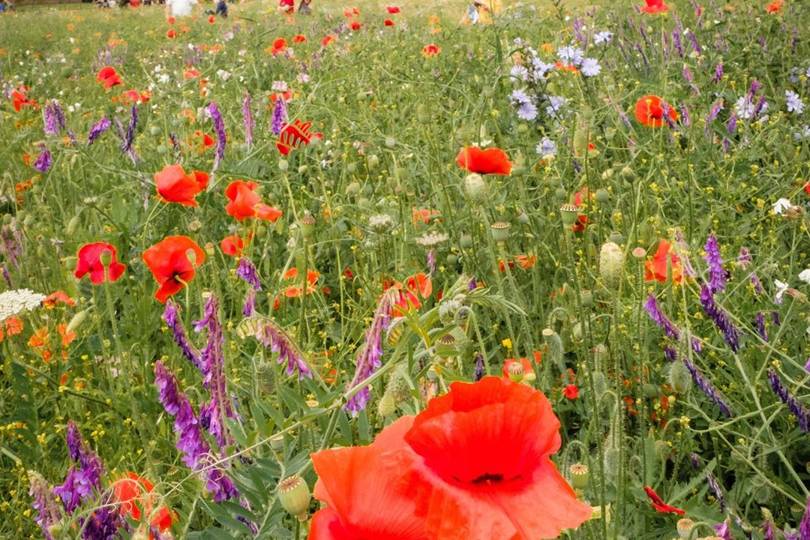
(603, 196)
(372, 162)
(475, 187)
(611, 461)
(555, 348)
(294, 496)
(465, 241)
(611, 264)
(390, 142)
(387, 405)
(679, 377)
(579, 475)
(76, 321)
(72, 225)
(283, 164)
(627, 173)
(500, 231)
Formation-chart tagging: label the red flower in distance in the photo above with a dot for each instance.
(388, 22)
(20, 99)
(650, 111)
(245, 202)
(489, 161)
(211, 19)
(174, 185)
(327, 40)
(89, 262)
(108, 77)
(430, 50)
(173, 262)
(659, 504)
(171, 34)
(655, 269)
(295, 135)
(279, 46)
(571, 392)
(654, 6)
(299, 38)
(393, 10)
(775, 6)
(355, 26)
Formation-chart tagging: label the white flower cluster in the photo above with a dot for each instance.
(17, 301)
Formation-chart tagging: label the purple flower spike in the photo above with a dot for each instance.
(44, 160)
(279, 116)
(273, 337)
(219, 129)
(707, 388)
(658, 317)
(44, 502)
(98, 129)
(798, 410)
(171, 316)
(717, 274)
(248, 273)
(720, 318)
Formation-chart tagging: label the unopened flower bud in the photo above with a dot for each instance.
(475, 187)
(294, 496)
(283, 164)
(603, 196)
(387, 405)
(76, 321)
(70, 230)
(307, 225)
(611, 461)
(679, 377)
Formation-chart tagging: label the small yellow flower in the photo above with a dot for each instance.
(507, 343)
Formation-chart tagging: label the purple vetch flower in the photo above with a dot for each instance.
(7, 277)
(707, 387)
(798, 410)
(718, 73)
(804, 526)
(717, 106)
(273, 337)
(129, 136)
(249, 305)
(579, 24)
(247, 119)
(731, 125)
(82, 481)
(212, 360)
(717, 491)
(658, 317)
(44, 160)
(479, 371)
(759, 322)
(686, 119)
(807, 365)
(279, 117)
(370, 354)
(219, 129)
(98, 129)
(694, 42)
(723, 530)
(103, 523)
(53, 118)
(196, 452)
(775, 319)
(717, 274)
(695, 460)
(744, 258)
(720, 318)
(45, 504)
(676, 39)
(472, 285)
(768, 530)
(248, 273)
(431, 261)
(171, 316)
(670, 353)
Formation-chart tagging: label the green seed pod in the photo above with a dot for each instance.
(500, 231)
(523, 218)
(560, 194)
(628, 173)
(373, 161)
(679, 377)
(465, 241)
(353, 188)
(611, 264)
(616, 237)
(154, 130)
(398, 386)
(579, 475)
(294, 496)
(650, 390)
(569, 214)
(277, 443)
(162, 149)
(452, 259)
(685, 526)
(307, 225)
(602, 196)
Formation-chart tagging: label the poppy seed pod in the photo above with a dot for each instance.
(277, 443)
(294, 496)
(603, 196)
(579, 475)
(679, 377)
(611, 264)
(372, 162)
(307, 225)
(446, 346)
(569, 214)
(685, 526)
(475, 187)
(500, 231)
(516, 371)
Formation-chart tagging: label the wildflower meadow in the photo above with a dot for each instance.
(451, 270)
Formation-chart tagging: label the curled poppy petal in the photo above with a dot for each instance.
(659, 504)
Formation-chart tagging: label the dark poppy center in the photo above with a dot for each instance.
(488, 478)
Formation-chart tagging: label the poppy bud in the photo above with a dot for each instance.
(611, 461)
(616, 237)
(452, 259)
(209, 250)
(579, 475)
(576, 332)
(465, 241)
(154, 130)
(162, 149)
(586, 297)
(685, 526)
(679, 378)
(195, 225)
(500, 231)
(390, 142)
(302, 169)
(261, 230)
(55, 530)
(277, 443)
(603, 196)
(351, 168)
(446, 346)
(387, 405)
(611, 264)
(627, 173)
(569, 214)
(72, 225)
(353, 188)
(555, 347)
(560, 194)
(662, 449)
(372, 162)
(294, 496)
(599, 384)
(475, 187)
(76, 321)
(523, 218)
(283, 165)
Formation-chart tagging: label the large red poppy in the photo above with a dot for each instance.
(295, 135)
(89, 262)
(245, 202)
(654, 6)
(134, 495)
(364, 490)
(171, 264)
(108, 77)
(174, 185)
(655, 269)
(650, 111)
(489, 161)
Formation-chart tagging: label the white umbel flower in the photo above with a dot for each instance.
(17, 301)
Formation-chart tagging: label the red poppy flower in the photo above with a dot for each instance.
(416, 286)
(431, 49)
(388, 22)
(650, 111)
(659, 504)
(279, 46)
(19, 99)
(108, 77)
(526, 262)
(134, 495)
(133, 96)
(355, 26)
(245, 202)
(807, 188)
(191, 73)
(171, 34)
(571, 392)
(655, 269)
(654, 6)
(203, 141)
(489, 161)
(173, 262)
(480, 457)
(89, 262)
(211, 19)
(327, 40)
(174, 185)
(299, 38)
(295, 135)
(393, 10)
(170, 20)
(775, 6)
(351, 12)
(518, 370)
(232, 245)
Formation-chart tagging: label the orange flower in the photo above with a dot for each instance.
(19, 99)
(171, 20)
(526, 261)
(133, 96)
(654, 6)
(416, 286)
(655, 269)
(489, 161)
(174, 185)
(58, 297)
(423, 215)
(39, 338)
(650, 111)
(327, 40)
(211, 19)
(191, 73)
(67, 337)
(566, 67)
(89, 262)
(173, 262)
(245, 203)
(430, 50)
(108, 77)
(14, 326)
(775, 6)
